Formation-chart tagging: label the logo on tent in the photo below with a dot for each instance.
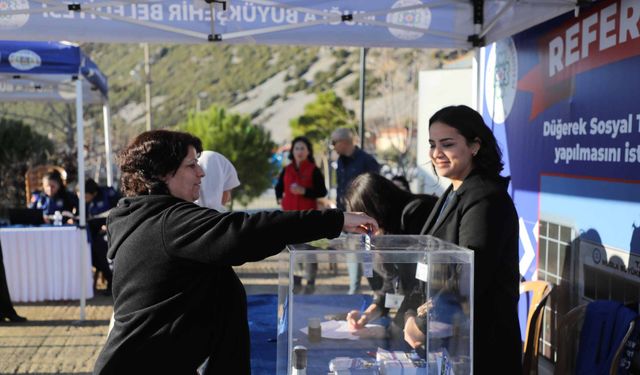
(501, 79)
(24, 60)
(13, 21)
(414, 18)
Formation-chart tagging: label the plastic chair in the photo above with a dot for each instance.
(530, 349)
(33, 178)
(569, 346)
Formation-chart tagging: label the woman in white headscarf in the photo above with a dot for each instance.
(220, 177)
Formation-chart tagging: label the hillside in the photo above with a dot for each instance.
(272, 84)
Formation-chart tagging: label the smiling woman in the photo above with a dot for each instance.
(177, 300)
(477, 212)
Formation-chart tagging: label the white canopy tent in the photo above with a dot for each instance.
(51, 71)
(364, 23)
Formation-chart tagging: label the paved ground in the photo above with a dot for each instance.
(54, 341)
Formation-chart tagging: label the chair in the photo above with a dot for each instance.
(530, 349)
(33, 178)
(570, 335)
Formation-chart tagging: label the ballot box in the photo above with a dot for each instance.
(415, 282)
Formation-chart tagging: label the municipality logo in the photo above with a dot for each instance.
(13, 21)
(418, 17)
(501, 79)
(24, 60)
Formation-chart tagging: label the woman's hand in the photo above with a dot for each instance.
(357, 320)
(357, 222)
(412, 334)
(297, 189)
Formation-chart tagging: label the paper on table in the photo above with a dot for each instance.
(339, 330)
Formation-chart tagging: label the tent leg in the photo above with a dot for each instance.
(106, 112)
(81, 178)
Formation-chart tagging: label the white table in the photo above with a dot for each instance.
(46, 263)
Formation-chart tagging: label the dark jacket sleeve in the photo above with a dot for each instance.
(279, 188)
(233, 238)
(372, 165)
(319, 189)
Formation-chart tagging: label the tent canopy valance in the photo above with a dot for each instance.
(364, 23)
(47, 71)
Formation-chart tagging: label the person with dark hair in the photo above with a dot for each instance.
(299, 186)
(352, 162)
(177, 300)
(397, 211)
(401, 182)
(477, 212)
(7, 312)
(54, 197)
(99, 200)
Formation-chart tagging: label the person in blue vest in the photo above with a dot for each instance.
(99, 201)
(352, 162)
(54, 197)
(299, 186)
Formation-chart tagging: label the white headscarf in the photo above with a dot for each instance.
(220, 176)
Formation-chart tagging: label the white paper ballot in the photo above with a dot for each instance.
(339, 330)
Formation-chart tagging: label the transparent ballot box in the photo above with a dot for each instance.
(410, 278)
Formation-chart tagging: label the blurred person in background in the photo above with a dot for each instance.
(352, 162)
(54, 197)
(220, 178)
(299, 186)
(99, 201)
(7, 312)
(401, 182)
(177, 299)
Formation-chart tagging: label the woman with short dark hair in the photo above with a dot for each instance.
(477, 212)
(177, 300)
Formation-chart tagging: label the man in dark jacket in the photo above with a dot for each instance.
(352, 162)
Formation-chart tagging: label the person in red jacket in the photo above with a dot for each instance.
(299, 186)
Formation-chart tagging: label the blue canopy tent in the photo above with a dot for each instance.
(51, 71)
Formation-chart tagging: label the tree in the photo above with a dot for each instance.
(322, 117)
(246, 145)
(19, 148)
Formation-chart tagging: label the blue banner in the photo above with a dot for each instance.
(563, 101)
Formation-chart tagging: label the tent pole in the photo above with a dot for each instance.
(81, 204)
(106, 113)
(363, 65)
(147, 85)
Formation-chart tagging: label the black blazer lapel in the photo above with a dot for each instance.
(447, 210)
(427, 228)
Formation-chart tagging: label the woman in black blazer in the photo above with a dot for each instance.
(477, 212)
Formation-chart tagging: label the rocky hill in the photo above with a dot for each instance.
(272, 84)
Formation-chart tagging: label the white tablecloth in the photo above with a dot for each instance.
(46, 263)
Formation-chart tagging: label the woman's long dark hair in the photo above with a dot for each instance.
(306, 141)
(151, 156)
(379, 198)
(470, 124)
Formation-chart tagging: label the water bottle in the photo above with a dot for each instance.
(57, 218)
